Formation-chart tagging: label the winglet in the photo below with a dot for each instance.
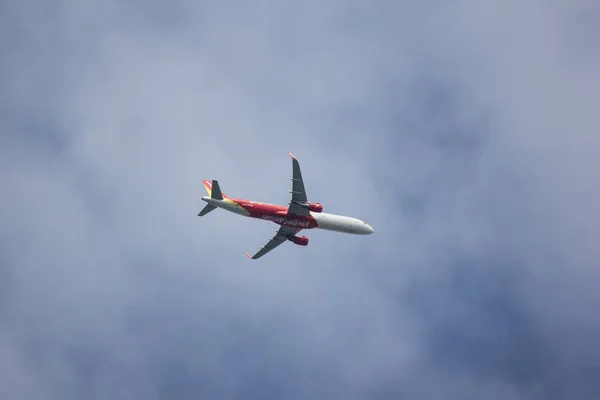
(249, 256)
(291, 155)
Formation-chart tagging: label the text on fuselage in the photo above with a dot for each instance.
(287, 221)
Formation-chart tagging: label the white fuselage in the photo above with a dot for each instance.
(341, 223)
(330, 222)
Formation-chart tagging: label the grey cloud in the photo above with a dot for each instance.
(463, 132)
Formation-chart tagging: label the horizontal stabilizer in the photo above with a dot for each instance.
(208, 208)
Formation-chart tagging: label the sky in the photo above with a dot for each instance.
(464, 132)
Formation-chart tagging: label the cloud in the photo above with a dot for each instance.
(463, 132)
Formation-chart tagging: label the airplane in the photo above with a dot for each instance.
(298, 215)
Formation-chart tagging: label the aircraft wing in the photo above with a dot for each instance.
(298, 192)
(281, 236)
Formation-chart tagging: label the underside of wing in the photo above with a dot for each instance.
(283, 234)
(299, 202)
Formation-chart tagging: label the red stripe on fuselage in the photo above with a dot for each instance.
(276, 214)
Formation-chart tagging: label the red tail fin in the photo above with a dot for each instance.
(213, 189)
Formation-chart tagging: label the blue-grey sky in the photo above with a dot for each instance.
(464, 132)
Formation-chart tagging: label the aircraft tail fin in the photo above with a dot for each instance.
(213, 189)
(216, 191)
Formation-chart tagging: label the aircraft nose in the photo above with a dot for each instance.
(366, 229)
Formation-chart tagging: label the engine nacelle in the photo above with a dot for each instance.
(300, 240)
(315, 207)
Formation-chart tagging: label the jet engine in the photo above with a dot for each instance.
(315, 207)
(300, 240)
